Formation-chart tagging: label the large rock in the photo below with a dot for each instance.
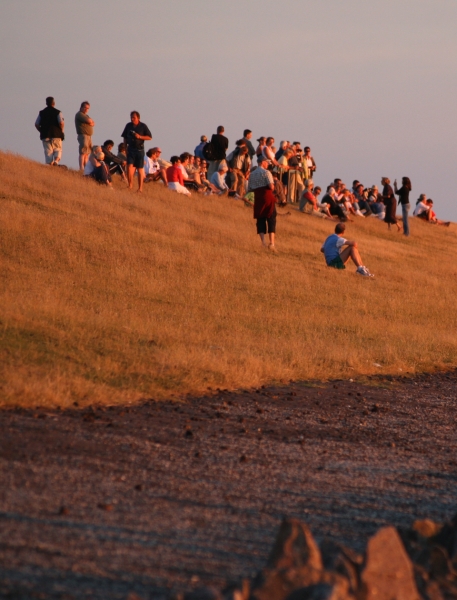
(387, 573)
(294, 562)
(343, 561)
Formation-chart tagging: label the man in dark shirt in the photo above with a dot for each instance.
(247, 135)
(50, 123)
(135, 134)
(220, 144)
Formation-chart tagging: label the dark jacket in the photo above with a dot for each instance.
(49, 125)
(220, 144)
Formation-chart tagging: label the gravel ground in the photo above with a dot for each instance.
(158, 497)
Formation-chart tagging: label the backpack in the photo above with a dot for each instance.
(208, 151)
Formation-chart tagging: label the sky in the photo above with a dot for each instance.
(370, 86)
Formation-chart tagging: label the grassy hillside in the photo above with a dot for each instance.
(110, 296)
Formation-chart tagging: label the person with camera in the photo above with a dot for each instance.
(135, 134)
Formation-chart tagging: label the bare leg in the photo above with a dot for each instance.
(272, 239)
(350, 252)
(140, 179)
(130, 172)
(83, 158)
(262, 238)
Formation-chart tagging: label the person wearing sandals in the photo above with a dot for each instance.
(403, 199)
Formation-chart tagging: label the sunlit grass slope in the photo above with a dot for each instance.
(110, 296)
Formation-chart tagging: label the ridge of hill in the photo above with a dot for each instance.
(111, 296)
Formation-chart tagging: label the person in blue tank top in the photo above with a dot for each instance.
(338, 250)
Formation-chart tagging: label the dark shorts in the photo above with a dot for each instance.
(262, 223)
(336, 263)
(135, 158)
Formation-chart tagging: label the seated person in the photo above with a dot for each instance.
(122, 152)
(96, 168)
(175, 177)
(113, 162)
(152, 169)
(335, 209)
(336, 255)
(218, 179)
(361, 197)
(376, 203)
(424, 210)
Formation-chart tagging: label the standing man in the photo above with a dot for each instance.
(309, 166)
(84, 130)
(135, 134)
(199, 149)
(220, 144)
(50, 123)
(247, 136)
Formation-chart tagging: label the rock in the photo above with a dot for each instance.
(387, 573)
(320, 591)
(426, 527)
(294, 562)
(343, 561)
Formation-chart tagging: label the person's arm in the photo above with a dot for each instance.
(61, 121)
(38, 123)
(352, 243)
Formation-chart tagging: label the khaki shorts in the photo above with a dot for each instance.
(85, 143)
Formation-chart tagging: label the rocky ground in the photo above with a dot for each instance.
(163, 497)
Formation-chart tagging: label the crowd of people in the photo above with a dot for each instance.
(264, 175)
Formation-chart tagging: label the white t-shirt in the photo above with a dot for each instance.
(421, 208)
(150, 166)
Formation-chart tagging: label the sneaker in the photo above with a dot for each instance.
(364, 272)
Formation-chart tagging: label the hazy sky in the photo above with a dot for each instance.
(370, 86)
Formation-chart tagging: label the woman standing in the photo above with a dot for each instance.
(390, 203)
(403, 199)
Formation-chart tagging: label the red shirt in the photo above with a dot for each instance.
(174, 174)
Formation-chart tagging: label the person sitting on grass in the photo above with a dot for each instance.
(175, 178)
(424, 210)
(113, 162)
(218, 179)
(152, 169)
(336, 256)
(96, 167)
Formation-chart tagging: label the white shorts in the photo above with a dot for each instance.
(177, 187)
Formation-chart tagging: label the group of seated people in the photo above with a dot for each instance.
(292, 171)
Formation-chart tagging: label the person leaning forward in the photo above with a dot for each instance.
(135, 134)
(50, 123)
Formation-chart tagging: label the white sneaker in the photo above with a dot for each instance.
(364, 272)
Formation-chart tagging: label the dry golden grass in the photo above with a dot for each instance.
(109, 296)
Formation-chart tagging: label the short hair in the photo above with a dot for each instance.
(134, 112)
(203, 138)
(270, 139)
(317, 188)
(184, 156)
(240, 142)
(83, 103)
(150, 152)
(220, 129)
(246, 132)
(121, 147)
(109, 143)
(49, 101)
(340, 228)
(174, 159)
(386, 180)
